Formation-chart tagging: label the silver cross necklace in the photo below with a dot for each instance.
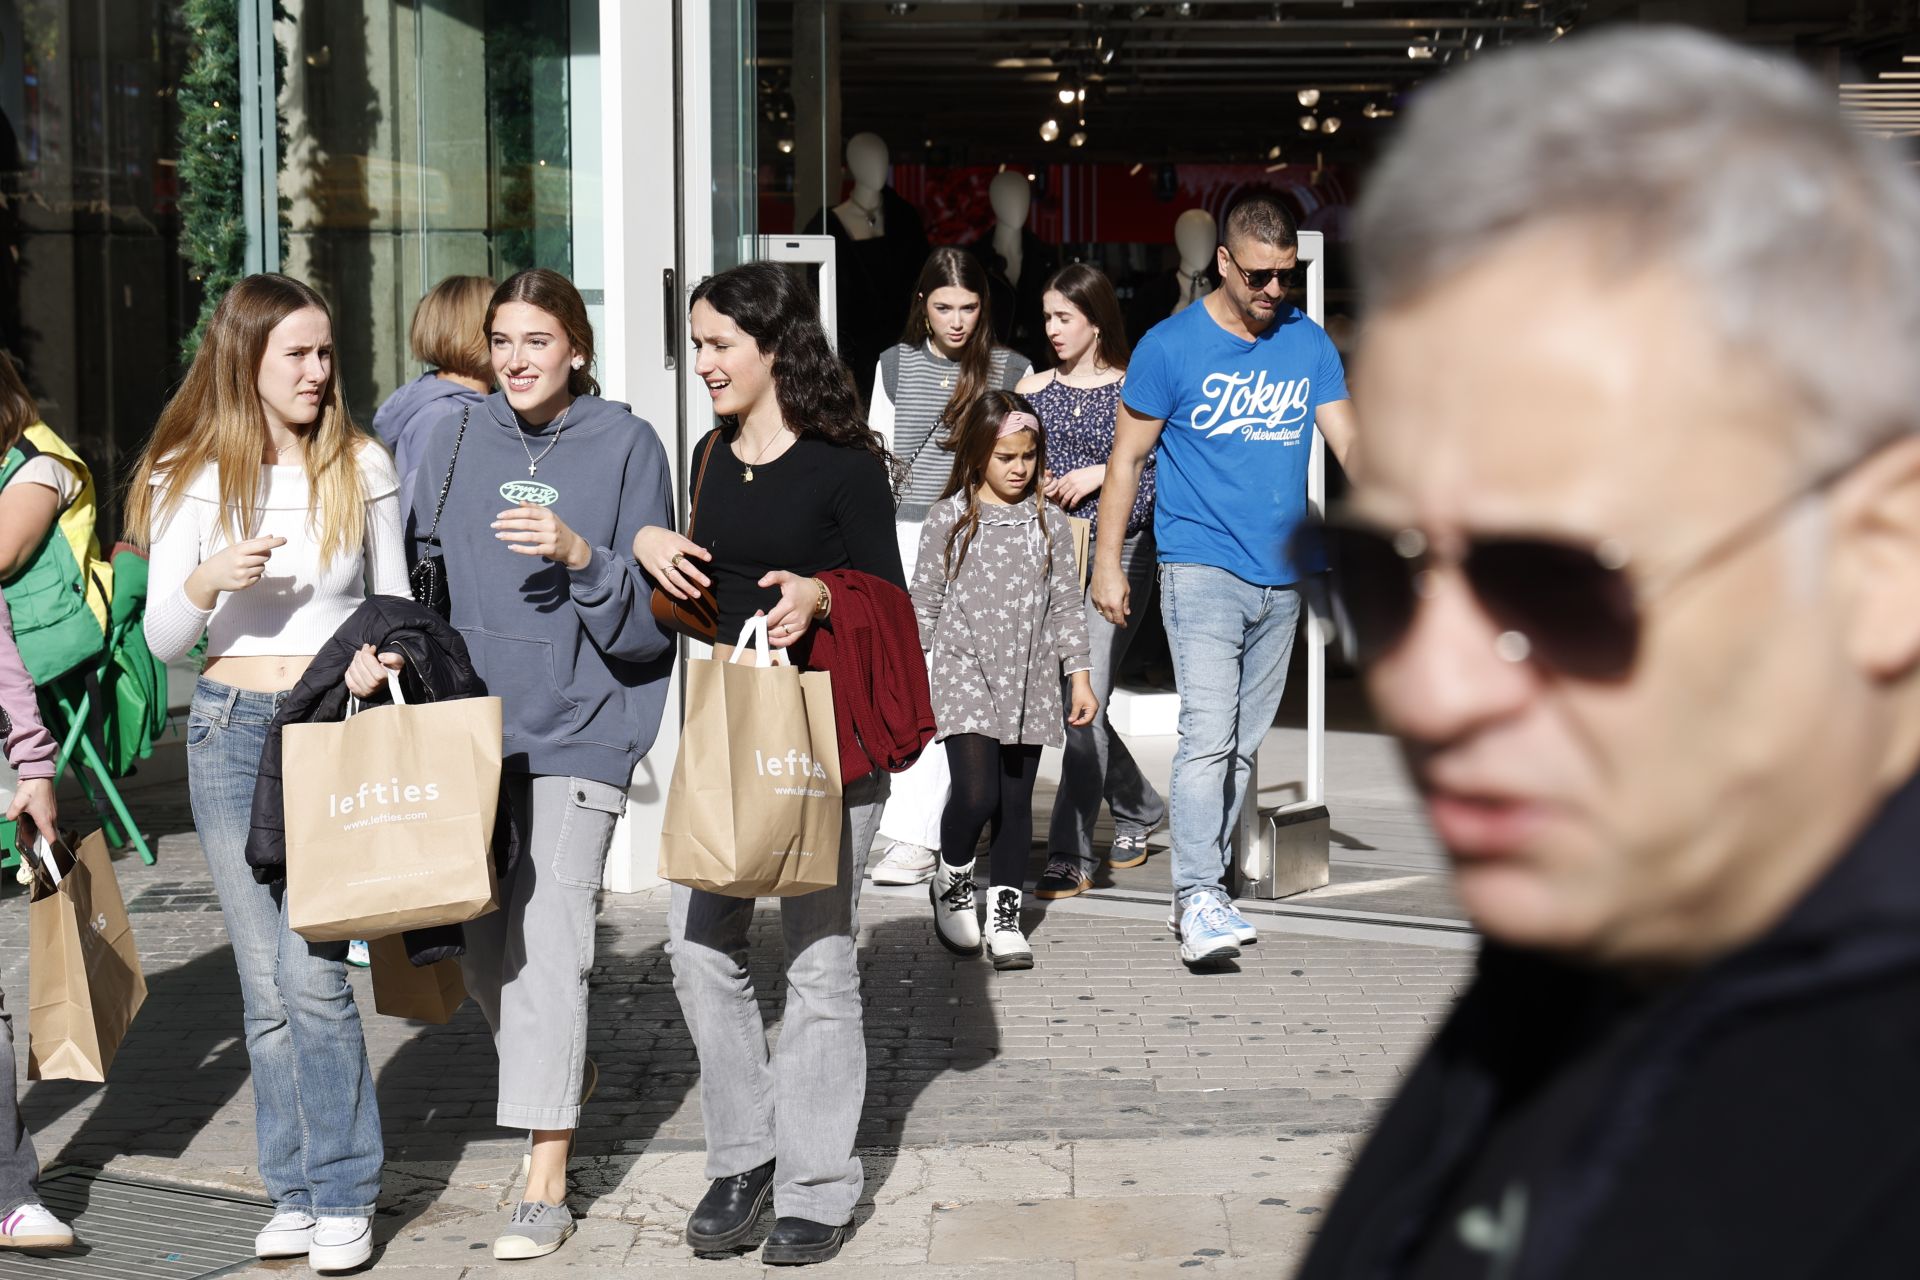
(559, 425)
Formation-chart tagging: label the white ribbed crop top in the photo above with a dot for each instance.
(299, 603)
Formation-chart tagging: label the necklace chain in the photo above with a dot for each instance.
(746, 469)
(873, 214)
(559, 425)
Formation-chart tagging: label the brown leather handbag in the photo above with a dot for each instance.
(698, 618)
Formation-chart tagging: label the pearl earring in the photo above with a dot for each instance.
(579, 363)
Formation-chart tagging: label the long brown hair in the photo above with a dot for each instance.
(972, 442)
(956, 269)
(216, 418)
(1087, 288)
(815, 392)
(18, 409)
(554, 294)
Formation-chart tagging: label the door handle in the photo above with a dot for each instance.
(670, 319)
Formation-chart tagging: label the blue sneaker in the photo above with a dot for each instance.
(1243, 932)
(358, 955)
(1205, 931)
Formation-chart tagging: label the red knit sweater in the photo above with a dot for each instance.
(870, 644)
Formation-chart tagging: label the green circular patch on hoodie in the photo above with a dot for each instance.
(540, 495)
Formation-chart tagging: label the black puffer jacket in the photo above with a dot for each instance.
(437, 669)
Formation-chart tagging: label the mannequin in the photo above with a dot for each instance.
(1018, 265)
(864, 213)
(1158, 295)
(1195, 235)
(879, 244)
(1012, 198)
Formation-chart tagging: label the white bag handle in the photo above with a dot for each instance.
(45, 852)
(393, 690)
(764, 655)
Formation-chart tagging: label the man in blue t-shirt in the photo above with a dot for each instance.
(1230, 392)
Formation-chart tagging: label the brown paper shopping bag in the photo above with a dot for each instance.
(428, 993)
(1082, 530)
(390, 818)
(754, 808)
(84, 982)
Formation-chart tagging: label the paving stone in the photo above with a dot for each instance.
(1123, 1227)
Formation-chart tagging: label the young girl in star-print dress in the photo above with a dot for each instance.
(998, 602)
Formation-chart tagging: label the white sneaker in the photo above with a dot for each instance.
(340, 1244)
(906, 863)
(954, 921)
(1005, 943)
(288, 1235)
(33, 1226)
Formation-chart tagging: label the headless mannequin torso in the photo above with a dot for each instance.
(1012, 199)
(1195, 234)
(863, 213)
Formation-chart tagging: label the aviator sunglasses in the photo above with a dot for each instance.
(1575, 607)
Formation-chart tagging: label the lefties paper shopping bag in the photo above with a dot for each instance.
(84, 982)
(754, 808)
(390, 818)
(402, 989)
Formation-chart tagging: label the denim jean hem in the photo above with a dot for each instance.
(511, 1117)
(364, 1211)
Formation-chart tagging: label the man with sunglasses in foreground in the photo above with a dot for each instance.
(1229, 391)
(1634, 573)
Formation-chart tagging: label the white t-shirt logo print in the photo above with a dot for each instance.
(1254, 405)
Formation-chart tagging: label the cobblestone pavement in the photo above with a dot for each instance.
(1108, 1113)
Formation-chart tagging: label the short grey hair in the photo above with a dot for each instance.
(1737, 168)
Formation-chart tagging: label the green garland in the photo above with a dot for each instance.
(213, 230)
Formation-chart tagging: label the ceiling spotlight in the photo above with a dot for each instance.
(1558, 32)
(899, 10)
(1273, 152)
(1479, 41)
(1420, 52)
(1309, 123)
(1066, 91)
(1330, 125)
(785, 145)
(1078, 138)
(1183, 11)
(1108, 54)
(1049, 131)
(1308, 97)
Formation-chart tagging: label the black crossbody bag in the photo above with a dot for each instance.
(429, 577)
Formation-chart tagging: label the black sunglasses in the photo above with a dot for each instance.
(1258, 280)
(1570, 606)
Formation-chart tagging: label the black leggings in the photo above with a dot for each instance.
(993, 784)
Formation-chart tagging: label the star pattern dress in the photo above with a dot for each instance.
(1006, 627)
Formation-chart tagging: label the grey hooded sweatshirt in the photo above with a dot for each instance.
(575, 657)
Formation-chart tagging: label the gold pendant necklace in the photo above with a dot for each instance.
(746, 468)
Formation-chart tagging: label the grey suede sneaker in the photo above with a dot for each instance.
(534, 1229)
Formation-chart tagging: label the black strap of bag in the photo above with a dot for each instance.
(428, 580)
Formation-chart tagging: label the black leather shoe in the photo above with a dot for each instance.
(725, 1216)
(795, 1242)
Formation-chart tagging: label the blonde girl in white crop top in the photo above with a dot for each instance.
(270, 517)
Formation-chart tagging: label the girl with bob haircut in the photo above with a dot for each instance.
(544, 480)
(270, 517)
(1078, 401)
(1000, 611)
(945, 361)
(448, 336)
(795, 484)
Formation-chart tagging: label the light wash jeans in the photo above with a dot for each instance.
(1231, 641)
(316, 1119)
(799, 1107)
(919, 794)
(19, 1166)
(526, 965)
(1097, 764)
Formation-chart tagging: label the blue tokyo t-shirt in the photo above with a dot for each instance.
(1232, 460)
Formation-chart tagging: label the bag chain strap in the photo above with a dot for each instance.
(446, 485)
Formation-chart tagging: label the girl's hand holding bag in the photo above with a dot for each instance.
(698, 618)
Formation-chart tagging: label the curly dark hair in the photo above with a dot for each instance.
(814, 388)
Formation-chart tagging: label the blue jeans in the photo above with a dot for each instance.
(315, 1116)
(1231, 642)
(1097, 765)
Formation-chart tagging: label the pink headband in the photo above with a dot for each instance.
(1018, 421)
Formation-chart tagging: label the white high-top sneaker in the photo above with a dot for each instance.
(954, 921)
(1005, 943)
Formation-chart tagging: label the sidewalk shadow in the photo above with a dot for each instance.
(928, 1013)
(183, 1060)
